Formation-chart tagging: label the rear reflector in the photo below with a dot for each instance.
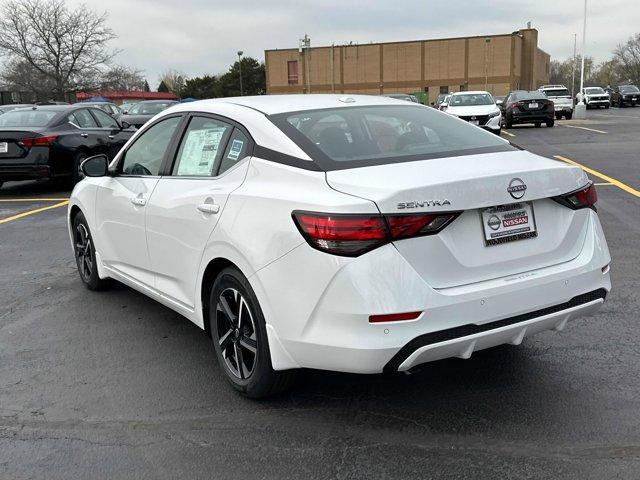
(45, 141)
(394, 317)
(586, 197)
(353, 234)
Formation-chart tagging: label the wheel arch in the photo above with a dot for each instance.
(211, 272)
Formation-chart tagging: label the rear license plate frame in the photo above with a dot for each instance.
(4, 147)
(534, 105)
(503, 233)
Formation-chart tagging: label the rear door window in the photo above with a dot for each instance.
(236, 150)
(105, 120)
(201, 147)
(83, 119)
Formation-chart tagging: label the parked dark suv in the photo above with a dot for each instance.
(527, 107)
(52, 141)
(625, 95)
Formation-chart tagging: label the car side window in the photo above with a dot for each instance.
(105, 120)
(201, 147)
(83, 119)
(236, 150)
(145, 156)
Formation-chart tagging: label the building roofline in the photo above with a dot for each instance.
(495, 35)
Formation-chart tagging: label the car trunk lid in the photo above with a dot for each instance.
(459, 254)
(10, 146)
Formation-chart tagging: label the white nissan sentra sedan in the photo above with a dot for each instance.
(350, 233)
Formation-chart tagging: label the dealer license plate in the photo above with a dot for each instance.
(507, 223)
(533, 105)
(4, 147)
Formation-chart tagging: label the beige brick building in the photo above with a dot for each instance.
(497, 63)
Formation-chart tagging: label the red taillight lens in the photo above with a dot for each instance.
(352, 235)
(516, 104)
(394, 317)
(45, 141)
(586, 197)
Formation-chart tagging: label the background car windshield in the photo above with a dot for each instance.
(629, 89)
(384, 134)
(557, 92)
(529, 96)
(592, 90)
(26, 118)
(148, 108)
(471, 99)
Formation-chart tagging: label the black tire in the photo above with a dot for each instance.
(550, 123)
(538, 124)
(231, 300)
(508, 122)
(620, 103)
(1, 183)
(85, 254)
(497, 132)
(606, 107)
(568, 116)
(558, 116)
(76, 174)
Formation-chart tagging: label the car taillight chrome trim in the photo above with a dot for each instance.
(584, 197)
(351, 235)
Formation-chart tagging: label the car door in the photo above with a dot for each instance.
(112, 132)
(188, 202)
(92, 136)
(121, 202)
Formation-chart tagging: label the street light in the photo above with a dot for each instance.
(240, 52)
(581, 108)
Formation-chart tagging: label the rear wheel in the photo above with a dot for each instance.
(568, 115)
(85, 254)
(550, 123)
(508, 122)
(620, 103)
(240, 340)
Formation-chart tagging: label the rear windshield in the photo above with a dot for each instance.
(557, 92)
(628, 88)
(529, 96)
(350, 137)
(148, 108)
(26, 118)
(471, 99)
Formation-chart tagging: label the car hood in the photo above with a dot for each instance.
(472, 110)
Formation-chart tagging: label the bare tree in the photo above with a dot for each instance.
(66, 47)
(627, 57)
(123, 78)
(173, 80)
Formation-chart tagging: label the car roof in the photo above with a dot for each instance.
(157, 101)
(274, 104)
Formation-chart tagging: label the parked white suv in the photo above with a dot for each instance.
(561, 98)
(477, 108)
(594, 97)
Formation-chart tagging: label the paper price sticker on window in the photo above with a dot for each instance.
(236, 149)
(199, 151)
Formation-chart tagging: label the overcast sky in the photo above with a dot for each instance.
(203, 36)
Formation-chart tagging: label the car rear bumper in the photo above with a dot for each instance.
(563, 108)
(532, 117)
(322, 319)
(24, 172)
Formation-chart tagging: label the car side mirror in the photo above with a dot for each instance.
(96, 166)
(125, 125)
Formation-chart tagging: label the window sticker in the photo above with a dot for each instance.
(236, 148)
(200, 150)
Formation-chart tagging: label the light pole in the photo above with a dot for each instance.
(486, 69)
(240, 52)
(573, 67)
(581, 108)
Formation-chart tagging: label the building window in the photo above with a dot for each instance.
(292, 72)
(463, 88)
(444, 89)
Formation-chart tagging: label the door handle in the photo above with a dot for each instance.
(84, 135)
(111, 137)
(208, 208)
(139, 201)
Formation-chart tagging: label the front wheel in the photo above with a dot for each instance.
(568, 116)
(550, 123)
(85, 254)
(240, 339)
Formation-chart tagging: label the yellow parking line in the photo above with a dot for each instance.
(507, 133)
(584, 128)
(602, 183)
(33, 199)
(32, 212)
(595, 173)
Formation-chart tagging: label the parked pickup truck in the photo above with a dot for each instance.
(561, 98)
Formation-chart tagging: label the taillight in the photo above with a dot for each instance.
(394, 317)
(516, 104)
(586, 197)
(45, 141)
(353, 234)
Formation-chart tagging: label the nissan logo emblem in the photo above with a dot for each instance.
(493, 222)
(517, 188)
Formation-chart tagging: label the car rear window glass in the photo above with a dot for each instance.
(557, 92)
(26, 118)
(372, 135)
(470, 99)
(529, 96)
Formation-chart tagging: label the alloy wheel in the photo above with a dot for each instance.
(236, 332)
(83, 252)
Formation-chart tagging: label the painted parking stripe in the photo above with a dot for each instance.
(607, 178)
(507, 133)
(33, 212)
(584, 128)
(33, 200)
(601, 184)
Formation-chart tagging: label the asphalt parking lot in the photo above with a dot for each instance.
(114, 385)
